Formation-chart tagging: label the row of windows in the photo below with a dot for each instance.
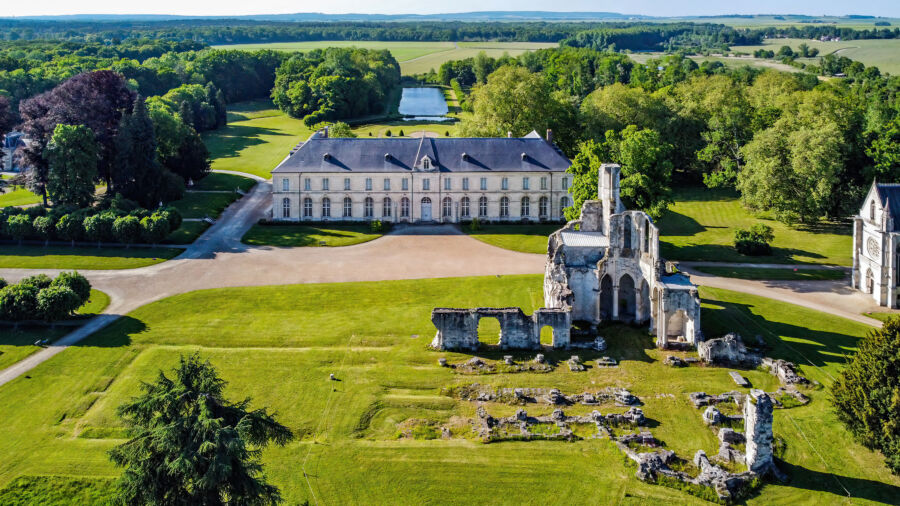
(446, 207)
(426, 184)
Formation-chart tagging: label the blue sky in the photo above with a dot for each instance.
(650, 7)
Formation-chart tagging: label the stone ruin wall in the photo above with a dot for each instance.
(457, 329)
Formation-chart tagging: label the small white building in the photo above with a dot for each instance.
(422, 180)
(876, 245)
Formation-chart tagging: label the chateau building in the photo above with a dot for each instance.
(422, 180)
(876, 245)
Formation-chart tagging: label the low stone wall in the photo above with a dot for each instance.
(457, 329)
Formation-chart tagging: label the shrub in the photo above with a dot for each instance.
(75, 282)
(70, 227)
(401, 133)
(2, 283)
(39, 281)
(475, 225)
(171, 214)
(126, 229)
(866, 396)
(387, 133)
(57, 302)
(99, 226)
(754, 241)
(19, 226)
(18, 302)
(154, 229)
(44, 227)
(378, 226)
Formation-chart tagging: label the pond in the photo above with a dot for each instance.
(423, 104)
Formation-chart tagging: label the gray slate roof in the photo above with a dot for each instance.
(890, 198)
(447, 155)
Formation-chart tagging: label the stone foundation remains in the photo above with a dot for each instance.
(457, 329)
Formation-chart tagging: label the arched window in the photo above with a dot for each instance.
(307, 207)
(542, 207)
(482, 207)
(563, 203)
(646, 236)
(369, 208)
(626, 232)
(872, 210)
(348, 208)
(526, 207)
(326, 207)
(386, 207)
(504, 207)
(464, 207)
(404, 207)
(447, 208)
(285, 207)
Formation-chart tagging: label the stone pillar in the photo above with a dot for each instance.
(758, 431)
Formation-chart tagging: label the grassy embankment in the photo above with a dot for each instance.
(279, 344)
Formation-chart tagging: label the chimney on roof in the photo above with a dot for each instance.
(549, 135)
(509, 134)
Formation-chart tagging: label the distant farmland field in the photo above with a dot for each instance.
(414, 57)
(883, 53)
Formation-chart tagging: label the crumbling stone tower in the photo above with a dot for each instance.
(758, 431)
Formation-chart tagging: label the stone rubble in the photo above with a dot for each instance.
(728, 350)
(674, 361)
(575, 364)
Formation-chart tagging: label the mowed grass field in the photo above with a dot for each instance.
(16, 195)
(257, 138)
(82, 257)
(414, 57)
(700, 227)
(882, 53)
(279, 344)
(525, 238)
(286, 236)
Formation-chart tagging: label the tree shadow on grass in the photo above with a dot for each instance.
(808, 346)
(679, 225)
(230, 141)
(808, 479)
(116, 334)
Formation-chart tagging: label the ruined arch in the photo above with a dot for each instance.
(627, 298)
(643, 301)
(606, 298)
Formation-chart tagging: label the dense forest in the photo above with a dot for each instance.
(793, 145)
(336, 83)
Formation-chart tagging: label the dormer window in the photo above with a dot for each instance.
(426, 163)
(387, 157)
(524, 156)
(465, 157)
(326, 156)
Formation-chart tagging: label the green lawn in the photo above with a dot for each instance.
(85, 258)
(216, 181)
(882, 315)
(301, 235)
(201, 205)
(258, 136)
(278, 345)
(187, 233)
(524, 238)
(763, 273)
(18, 343)
(700, 227)
(17, 196)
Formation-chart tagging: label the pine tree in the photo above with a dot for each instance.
(221, 110)
(190, 445)
(138, 175)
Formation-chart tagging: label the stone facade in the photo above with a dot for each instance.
(876, 245)
(606, 267)
(406, 180)
(457, 329)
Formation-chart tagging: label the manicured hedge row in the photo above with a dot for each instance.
(89, 224)
(41, 298)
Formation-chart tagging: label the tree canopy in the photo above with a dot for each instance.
(188, 444)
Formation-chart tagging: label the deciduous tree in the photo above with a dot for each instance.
(72, 157)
